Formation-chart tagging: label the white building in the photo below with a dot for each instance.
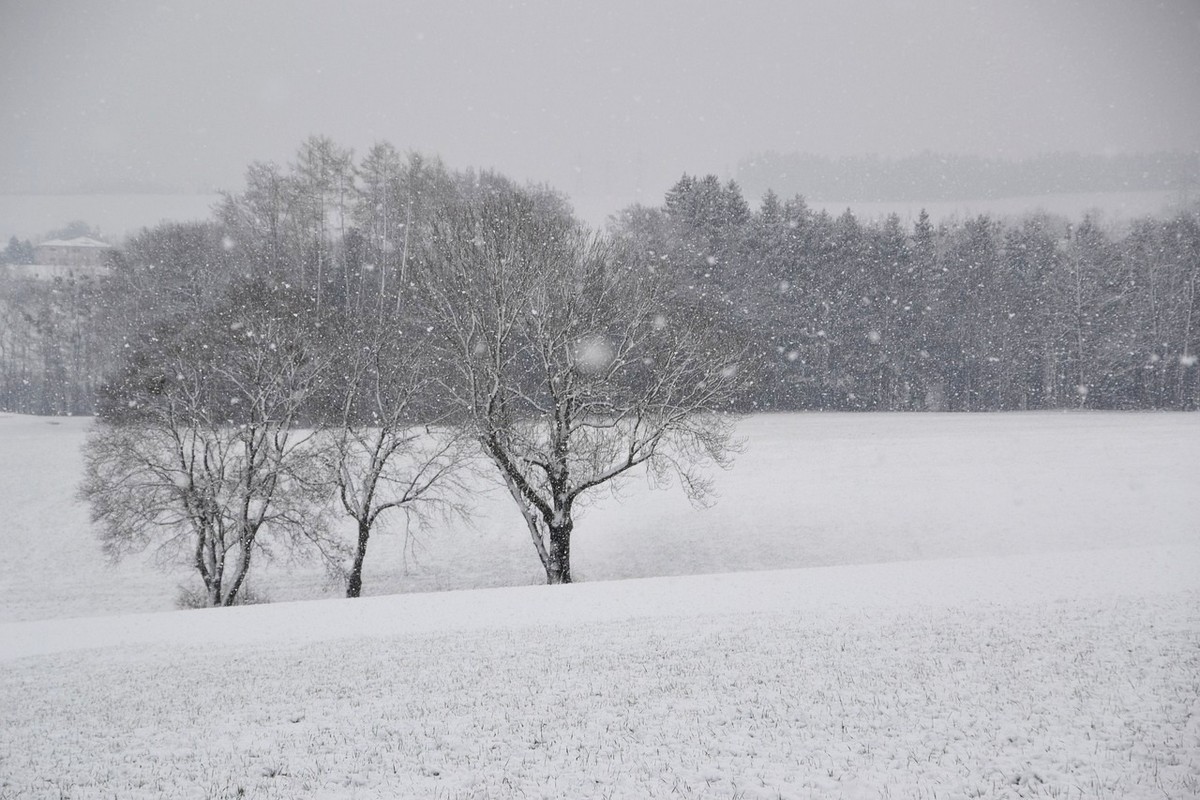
(82, 257)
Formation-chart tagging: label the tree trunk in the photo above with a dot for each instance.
(243, 568)
(211, 568)
(1049, 395)
(354, 580)
(558, 567)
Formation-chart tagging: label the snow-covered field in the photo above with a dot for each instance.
(810, 490)
(960, 606)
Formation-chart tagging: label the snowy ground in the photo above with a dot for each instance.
(810, 490)
(1042, 639)
(1025, 676)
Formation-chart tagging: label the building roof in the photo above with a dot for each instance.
(80, 241)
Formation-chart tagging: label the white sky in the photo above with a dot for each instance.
(602, 100)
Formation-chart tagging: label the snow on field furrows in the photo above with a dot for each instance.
(995, 606)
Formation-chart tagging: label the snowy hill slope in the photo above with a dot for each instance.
(1037, 578)
(1065, 675)
(810, 490)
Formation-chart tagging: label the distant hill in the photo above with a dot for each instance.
(935, 177)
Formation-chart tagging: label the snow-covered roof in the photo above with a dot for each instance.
(80, 241)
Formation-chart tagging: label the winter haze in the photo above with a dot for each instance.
(609, 102)
(332, 469)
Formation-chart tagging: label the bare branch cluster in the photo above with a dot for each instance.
(209, 451)
(567, 361)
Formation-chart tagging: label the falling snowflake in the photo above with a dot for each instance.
(593, 353)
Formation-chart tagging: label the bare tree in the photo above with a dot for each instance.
(384, 451)
(199, 449)
(323, 180)
(260, 223)
(568, 365)
(397, 198)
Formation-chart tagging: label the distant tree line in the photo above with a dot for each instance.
(980, 315)
(939, 177)
(837, 313)
(53, 346)
(17, 252)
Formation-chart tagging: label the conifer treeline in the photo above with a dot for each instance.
(963, 316)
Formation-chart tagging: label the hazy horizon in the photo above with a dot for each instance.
(609, 104)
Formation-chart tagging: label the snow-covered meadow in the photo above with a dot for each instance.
(809, 490)
(947, 606)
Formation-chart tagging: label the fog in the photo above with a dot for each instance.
(608, 102)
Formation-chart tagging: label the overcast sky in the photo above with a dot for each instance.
(601, 99)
